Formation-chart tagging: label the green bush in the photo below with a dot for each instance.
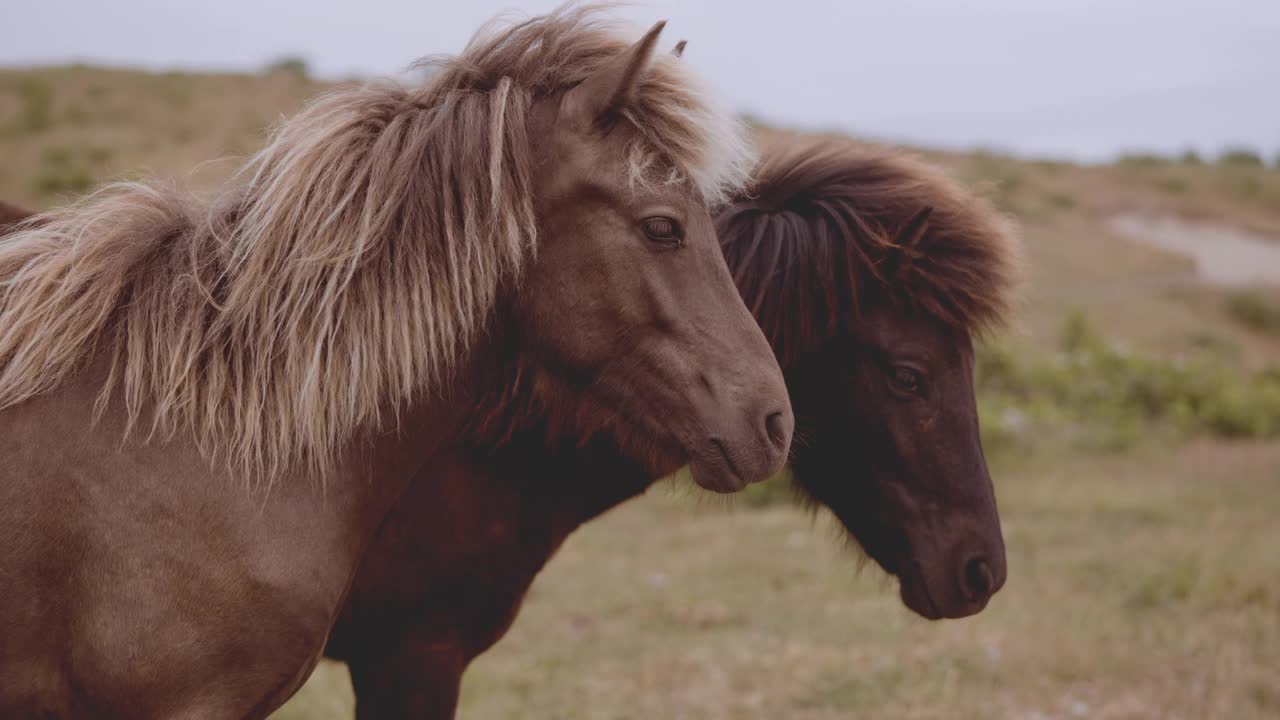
(1141, 160)
(1171, 185)
(70, 169)
(1000, 177)
(1241, 157)
(1059, 200)
(289, 65)
(1256, 311)
(1243, 185)
(1092, 393)
(36, 114)
(173, 87)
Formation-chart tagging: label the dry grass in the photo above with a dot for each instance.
(64, 130)
(1142, 584)
(1140, 587)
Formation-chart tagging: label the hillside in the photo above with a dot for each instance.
(1131, 421)
(64, 130)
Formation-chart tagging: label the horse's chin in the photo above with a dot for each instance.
(914, 592)
(714, 471)
(912, 586)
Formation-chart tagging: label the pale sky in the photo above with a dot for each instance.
(1083, 79)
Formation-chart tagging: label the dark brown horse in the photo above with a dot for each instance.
(10, 215)
(194, 395)
(869, 272)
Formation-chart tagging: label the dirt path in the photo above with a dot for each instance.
(1223, 256)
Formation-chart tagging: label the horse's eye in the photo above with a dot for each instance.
(663, 230)
(906, 379)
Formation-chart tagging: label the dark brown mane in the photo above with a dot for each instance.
(817, 238)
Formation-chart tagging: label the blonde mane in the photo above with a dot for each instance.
(349, 266)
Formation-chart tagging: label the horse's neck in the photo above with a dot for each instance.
(584, 480)
(497, 395)
(295, 527)
(429, 427)
(368, 472)
(531, 447)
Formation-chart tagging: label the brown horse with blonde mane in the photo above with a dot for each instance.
(195, 394)
(870, 272)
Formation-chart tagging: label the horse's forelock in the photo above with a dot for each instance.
(817, 236)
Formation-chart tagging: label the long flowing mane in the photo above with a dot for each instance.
(349, 265)
(816, 238)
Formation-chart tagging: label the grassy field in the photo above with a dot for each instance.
(1139, 587)
(1133, 424)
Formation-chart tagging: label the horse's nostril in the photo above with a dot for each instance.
(776, 426)
(979, 581)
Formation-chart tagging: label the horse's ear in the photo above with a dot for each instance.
(596, 100)
(678, 50)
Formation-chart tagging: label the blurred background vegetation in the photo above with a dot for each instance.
(1132, 422)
